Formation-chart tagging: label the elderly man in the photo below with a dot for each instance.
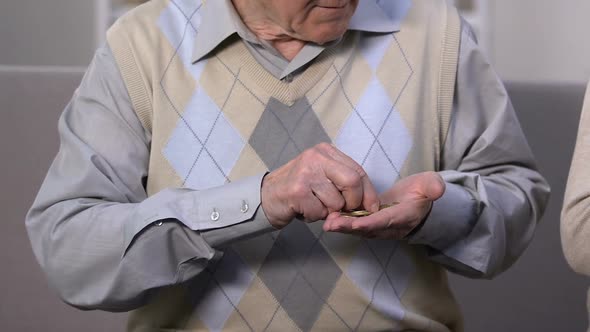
(216, 155)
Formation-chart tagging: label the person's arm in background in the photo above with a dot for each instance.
(493, 194)
(575, 215)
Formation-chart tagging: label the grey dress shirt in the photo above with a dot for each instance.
(95, 186)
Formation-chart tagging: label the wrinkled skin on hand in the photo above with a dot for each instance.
(414, 195)
(320, 181)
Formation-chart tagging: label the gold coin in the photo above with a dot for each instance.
(364, 213)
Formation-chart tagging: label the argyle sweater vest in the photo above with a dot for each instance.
(383, 99)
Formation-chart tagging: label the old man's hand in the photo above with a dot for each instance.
(319, 181)
(413, 196)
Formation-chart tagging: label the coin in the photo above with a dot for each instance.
(364, 213)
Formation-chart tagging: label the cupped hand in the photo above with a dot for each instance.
(414, 196)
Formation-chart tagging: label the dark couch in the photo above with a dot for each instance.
(539, 293)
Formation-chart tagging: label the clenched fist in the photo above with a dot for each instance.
(319, 181)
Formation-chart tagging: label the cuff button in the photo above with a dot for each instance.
(244, 208)
(215, 215)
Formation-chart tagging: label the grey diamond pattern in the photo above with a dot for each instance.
(302, 304)
(321, 272)
(301, 285)
(278, 136)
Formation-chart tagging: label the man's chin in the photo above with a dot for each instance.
(321, 39)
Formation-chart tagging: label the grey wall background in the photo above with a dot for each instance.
(531, 40)
(542, 44)
(46, 33)
(539, 293)
(30, 103)
(541, 40)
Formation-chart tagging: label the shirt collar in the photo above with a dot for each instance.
(370, 17)
(219, 20)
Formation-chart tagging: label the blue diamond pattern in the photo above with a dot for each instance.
(231, 279)
(178, 155)
(378, 45)
(354, 138)
(366, 270)
(400, 261)
(374, 105)
(380, 168)
(395, 139)
(376, 137)
(214, 146)
(386, 300)
(179, 23)
(204, 174)
(214, 314)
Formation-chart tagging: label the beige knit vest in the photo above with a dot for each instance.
(416, 75)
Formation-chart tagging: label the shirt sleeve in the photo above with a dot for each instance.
(575, 214)
(101, 241)
(494, 194)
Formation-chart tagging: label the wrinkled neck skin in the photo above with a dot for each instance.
(254, 16)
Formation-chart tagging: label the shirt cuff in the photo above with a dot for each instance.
(451, 218)
(203, 210)
(221, 237)
(230, 204)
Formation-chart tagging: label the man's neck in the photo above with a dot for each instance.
(266, 30)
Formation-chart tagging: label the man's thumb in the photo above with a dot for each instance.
(433, 185)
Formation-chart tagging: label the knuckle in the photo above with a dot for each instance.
(302, 175)
(339, 204)
(309, 153)
(337, 228)
(357, 227)
(324, 146)
(328, 150)
(392, 224)
(312, 156)
(353, 180)
(319, 214)
(298, 190)
(360, 171)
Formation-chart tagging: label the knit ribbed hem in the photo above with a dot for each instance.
(448, 74)
(136, 87)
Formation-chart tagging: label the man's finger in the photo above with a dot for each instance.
(388, 220)
(369, 198)
(348, 182)
(428, 185)
(313, 209)
(329, 195)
